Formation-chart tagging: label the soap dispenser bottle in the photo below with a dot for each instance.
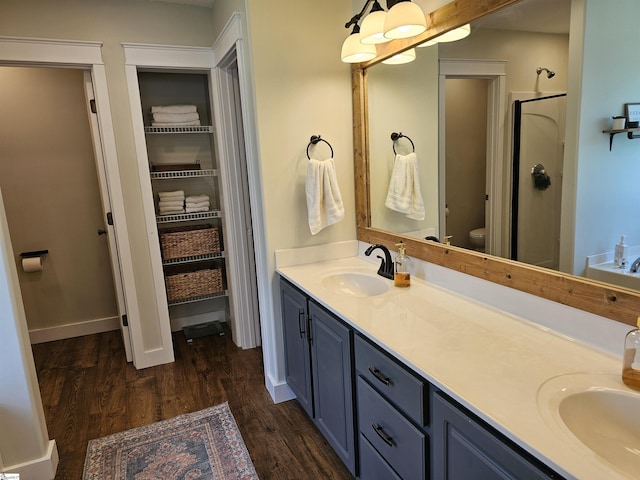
(631, 359)
(401, 275)
(621, 253)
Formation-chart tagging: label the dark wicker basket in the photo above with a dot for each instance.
(189, 241)
(185, 286)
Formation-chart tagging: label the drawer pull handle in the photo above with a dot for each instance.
(383, 435)
(379, 375)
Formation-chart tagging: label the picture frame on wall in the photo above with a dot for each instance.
(632, 112)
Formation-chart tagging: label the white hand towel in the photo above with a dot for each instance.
(324, 201)
(195, 210)
(195, 123)
(170, 196)
(197, 205)
(197, 198)
(175, 117)
(171, 210)
(173, 109)
(171, 203)
(404, 194)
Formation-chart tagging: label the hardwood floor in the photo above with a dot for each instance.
(89, 391)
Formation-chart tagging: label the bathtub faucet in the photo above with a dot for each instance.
(634, 266)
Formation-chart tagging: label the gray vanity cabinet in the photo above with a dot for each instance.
(392, 406)
(465, 449)
(296, 344)
(318, 356)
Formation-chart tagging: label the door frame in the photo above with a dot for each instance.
(34, 52)
(495, 72)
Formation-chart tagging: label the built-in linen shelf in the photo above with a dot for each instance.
(193, 258)
(631, 134)
(179, 129)
(199, 299)
(187, 217)
(183, 174)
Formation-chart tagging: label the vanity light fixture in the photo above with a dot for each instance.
(402, 57)
(404, 19)
(372, 30)
(450, 36)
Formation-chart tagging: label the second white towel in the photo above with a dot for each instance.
(324, 201)
(404, 194)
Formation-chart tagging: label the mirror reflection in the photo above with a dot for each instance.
(490, 175)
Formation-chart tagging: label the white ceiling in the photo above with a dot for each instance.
(545, 16)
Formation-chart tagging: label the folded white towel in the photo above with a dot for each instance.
(175, 117)
(171, 196)
(170, 203)
(197, 205)
(195, 210)
(195, 123)
(173, 109)
(324, 201)
(404, 194)
(171, 210)
(197, 198)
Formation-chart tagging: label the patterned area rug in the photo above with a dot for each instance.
(197, 446)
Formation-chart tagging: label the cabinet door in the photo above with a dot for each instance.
(331, 346)
(463, 449)
(296, 344)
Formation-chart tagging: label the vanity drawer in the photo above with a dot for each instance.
(395, 382)
(372, 465)
(398, 441)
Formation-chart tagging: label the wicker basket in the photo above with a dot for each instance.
(189, 241)
(189, 285)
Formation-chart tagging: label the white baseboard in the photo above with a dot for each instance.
(179, 323)
(43, 468)
(279, 392)
(71, 330)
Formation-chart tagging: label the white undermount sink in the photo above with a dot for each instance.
(355, 284)
(600, 412)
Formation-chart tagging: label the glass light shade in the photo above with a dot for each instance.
(451, 36)
(405, 19)
(402, 57)
(372, 29)
(353, 51)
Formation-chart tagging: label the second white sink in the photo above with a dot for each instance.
(600, 412)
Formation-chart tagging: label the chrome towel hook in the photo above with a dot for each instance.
(315, 139)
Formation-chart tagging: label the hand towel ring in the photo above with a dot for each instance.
(315, 139)
(397, 136)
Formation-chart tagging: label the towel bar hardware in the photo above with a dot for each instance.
(315, 139)
(397, 136)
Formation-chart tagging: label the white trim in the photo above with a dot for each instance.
(270, 335)
(40, 468)
(495, 72)
(169, 56)
(46, 51)
(72, 330)
(280, 392)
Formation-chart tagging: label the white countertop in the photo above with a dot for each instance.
(491, 362)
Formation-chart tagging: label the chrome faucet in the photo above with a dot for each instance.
(634, 266)
(386, 264)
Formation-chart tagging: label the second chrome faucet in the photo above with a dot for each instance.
(386, 264)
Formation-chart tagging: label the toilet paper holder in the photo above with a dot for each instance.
(35, 253)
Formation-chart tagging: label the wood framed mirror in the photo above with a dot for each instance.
(616, 303)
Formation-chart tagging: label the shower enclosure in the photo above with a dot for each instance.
(538, 151)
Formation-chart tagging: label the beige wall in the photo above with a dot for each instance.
(49, 181)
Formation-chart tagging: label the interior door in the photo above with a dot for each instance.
(109, 227)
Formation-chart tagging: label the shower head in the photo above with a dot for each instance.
(550, 74)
